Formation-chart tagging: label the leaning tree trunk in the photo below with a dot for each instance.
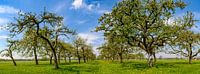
(11, 56)
(51, 46)
(35, 55)
(13, 61)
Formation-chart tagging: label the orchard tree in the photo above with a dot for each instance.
(29, 45)
(186, 42)
(142, 23)
(52, 22)
(67, 50)
(9, 52)
(78, 44)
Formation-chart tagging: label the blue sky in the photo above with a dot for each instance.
(80, 15)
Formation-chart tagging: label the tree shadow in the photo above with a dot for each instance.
(144, 66)
(79, 69)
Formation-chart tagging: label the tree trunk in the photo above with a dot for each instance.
(79, 59)
(35, 54)
(154, 56)
(11, 56)
(190, 54)
(190, 59)
(150, 60)
(55, 59)
(13, 61)
(84, 58)
(121, 58)
(65, 58)
(59, 57)
(69, 58)
(51, 59)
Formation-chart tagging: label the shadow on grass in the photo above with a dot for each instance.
(143, 65)
(79, 69)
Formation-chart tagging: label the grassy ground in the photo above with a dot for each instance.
(102, 67)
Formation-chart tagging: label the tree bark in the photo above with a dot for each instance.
(79, 59)
(150, 60)
(35, 54)
(52, 48)
(65, 58)
(11, 56)
(190, 59)
(190, 54)
(154, 56)
(69, 58)
(51, 59)
(121, 57)
(84, 58)
(13, 61)
(59, 57)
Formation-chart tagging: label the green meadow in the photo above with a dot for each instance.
(102, 67)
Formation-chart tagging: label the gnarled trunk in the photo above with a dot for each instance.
(150, 60)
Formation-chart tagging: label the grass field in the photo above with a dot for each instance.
(102, 67)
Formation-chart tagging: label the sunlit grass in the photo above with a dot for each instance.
(102, 67)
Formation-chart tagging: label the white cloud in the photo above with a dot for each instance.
(3, 21)
(77, 4)
(3, 37)
(90, 37)
(8, 9)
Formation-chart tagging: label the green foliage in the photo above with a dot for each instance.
(141, 23)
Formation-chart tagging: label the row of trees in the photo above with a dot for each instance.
(41, 37)
(144, 25)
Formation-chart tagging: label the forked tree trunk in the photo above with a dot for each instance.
(150, 60)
